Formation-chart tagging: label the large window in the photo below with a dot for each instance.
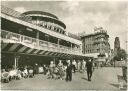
(17, 28)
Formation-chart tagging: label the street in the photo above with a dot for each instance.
(102, 79)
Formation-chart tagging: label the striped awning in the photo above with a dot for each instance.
(22, 49)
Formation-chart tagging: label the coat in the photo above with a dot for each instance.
(69, 68)
(89, 66)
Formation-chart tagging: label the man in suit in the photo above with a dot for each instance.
(89, 69)
(69, 71)
(74, 65)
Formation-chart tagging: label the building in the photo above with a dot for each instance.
(96, 44)
(116, 46)
(35, 37)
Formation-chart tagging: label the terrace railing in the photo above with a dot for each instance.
(11, 37)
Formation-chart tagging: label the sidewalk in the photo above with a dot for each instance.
(102, 79)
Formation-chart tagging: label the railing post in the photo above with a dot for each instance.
(20, 38)
(23, 39)
(71, 47)
(5, 35)
(15, 62)
(37, 41)
(58, 43)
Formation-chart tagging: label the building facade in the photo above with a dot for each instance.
(96, 44)
(35, 35)
(116, 46)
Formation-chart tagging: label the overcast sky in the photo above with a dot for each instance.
(82, 16)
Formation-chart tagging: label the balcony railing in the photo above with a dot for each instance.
(37, 44)
(13, 13)
(26, 20)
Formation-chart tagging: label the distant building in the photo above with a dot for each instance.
(96, 44)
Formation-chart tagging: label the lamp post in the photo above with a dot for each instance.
(16, 58)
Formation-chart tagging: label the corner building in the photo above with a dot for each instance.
(35, 37)
(96, 44)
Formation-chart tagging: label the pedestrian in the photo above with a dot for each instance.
(83, 65)
(45, 70)
(74, 65)
(69, 71)
(78, 66)
(89, 69)
(36, 69)
(26, 72)
(5, 76)
(51, 69)
(61, 70)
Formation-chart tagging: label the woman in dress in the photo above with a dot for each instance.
(61, 70)
(51, 69)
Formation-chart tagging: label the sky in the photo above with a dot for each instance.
(83, 16)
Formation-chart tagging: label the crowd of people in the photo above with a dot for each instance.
(52, 71)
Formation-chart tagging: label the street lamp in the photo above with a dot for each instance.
(16, 60)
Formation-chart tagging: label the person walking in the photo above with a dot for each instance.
(51, 69)
(78, 66)
(35, 69)
(74, 65)
(61, 70)
(45, 69)
(89, 66)
(83, 65)
(69, 71)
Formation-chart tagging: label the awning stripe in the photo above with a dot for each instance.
(65, 55)
(59, 54)
(29, 50)
(33, 51)
(39, 52)
(7, 47)
(13, 47)
(26, 50)
(22, 49)
(50, 54)
(3, 45)
(46, 52)
(55, 54)
(42, 52)
(18, 48)
(36, 51)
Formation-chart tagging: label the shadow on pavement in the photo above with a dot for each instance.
(115, 85)
(84, 78)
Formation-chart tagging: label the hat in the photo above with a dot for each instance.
(51, 62)
(68, 61)
(90, 60)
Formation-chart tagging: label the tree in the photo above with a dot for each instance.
(121, 54)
